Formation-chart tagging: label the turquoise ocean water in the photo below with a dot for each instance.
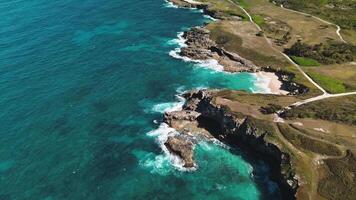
(81, 83)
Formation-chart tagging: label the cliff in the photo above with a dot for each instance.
(239, 131)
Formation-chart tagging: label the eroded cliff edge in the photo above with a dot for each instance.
(202, 118)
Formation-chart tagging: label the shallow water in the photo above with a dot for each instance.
(81, 83)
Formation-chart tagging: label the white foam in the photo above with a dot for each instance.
(169, 4)
(210, 64)
(181, 42)
(161, 134)
(262, 83)
(169, 106)
(210, 17)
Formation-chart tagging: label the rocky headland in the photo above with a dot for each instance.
(200, 46)
(202, 119)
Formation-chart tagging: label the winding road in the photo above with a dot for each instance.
(285, 55)
(338, 29)
(325, 94)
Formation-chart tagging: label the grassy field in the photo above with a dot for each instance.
(224, 9)
(307, 143)
(300, 27)
(318, 157)
(342, 13)
(241, 37)
(337, 109)
(338, 181)
(330, 84)
(302, 61)
(343, 76)
(258, 19)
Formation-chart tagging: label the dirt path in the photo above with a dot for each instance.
(324, 21)
(286, 56)
(321, 97)
(325, 93)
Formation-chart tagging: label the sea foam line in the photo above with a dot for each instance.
(164, 131)
(169, 4)
(181, 42)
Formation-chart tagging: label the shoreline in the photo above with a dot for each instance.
(197, 45)
(270, 83)
(194, 45)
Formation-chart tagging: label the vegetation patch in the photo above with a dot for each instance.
(242, 3)
(339, 182)
(328, 83)
(338, 109)
(326, 53)
(224, 8)
(305, 61)
(345, 73)
(258, 19)
(341, 12)
(307, 143)
(271, 108)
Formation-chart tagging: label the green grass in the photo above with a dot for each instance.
(307, 143)
(339, 182)
(341, 12)
(305, 61)
(328, 83)
(242, 3)
(258, 19)
(338, 109)
(224, 8)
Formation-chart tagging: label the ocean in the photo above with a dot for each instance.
(83, 86)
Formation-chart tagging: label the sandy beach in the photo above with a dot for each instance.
(270, 81)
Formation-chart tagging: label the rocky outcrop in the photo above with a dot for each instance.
(201, 47)
(235, 131)
(186, 4)
(183, 148)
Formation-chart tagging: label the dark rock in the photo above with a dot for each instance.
(201, 47)
(236, 131)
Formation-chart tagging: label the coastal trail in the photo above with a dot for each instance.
(275, 49)
(338, 29)
(321, 97)
(325, 94)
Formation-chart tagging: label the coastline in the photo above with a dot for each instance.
(196, 46)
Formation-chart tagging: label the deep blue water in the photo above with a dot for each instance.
(80, 85)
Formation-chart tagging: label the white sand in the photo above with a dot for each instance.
(269, 81)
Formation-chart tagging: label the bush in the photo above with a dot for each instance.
(271, 108)
(329, 53)
(305, 61)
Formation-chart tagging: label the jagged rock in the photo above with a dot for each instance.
(201, 47)
(235, 131)
(186, 115)
(182, 147)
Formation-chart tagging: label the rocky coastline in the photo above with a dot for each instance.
(201, 118)
(200, 46)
